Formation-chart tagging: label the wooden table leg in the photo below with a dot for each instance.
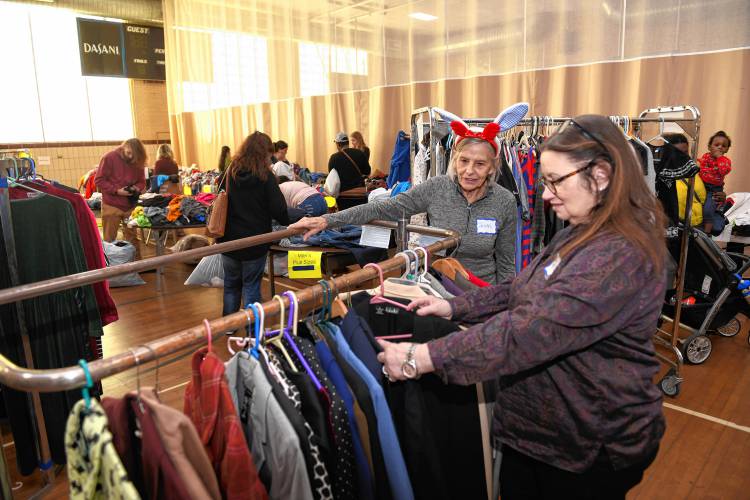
(159, 251)
(271, 273)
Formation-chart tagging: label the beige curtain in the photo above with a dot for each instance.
(303, 71)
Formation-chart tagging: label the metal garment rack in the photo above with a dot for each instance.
(427, 121)
(61, 379)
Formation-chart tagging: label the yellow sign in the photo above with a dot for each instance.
(186, 190)
(206, 188)
(304, 264)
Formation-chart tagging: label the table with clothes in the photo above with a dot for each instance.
(170, 210)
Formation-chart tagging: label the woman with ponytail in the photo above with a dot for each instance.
(254, 200)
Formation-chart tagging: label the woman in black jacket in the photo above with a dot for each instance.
(254, 199)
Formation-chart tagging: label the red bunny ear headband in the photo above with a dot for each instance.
(489, 133)
(506, 120)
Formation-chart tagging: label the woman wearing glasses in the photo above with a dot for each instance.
(570, 339)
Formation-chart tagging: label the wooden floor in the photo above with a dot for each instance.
(704, 454)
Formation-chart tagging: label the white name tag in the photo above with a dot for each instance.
(486, 226)
(551, 267)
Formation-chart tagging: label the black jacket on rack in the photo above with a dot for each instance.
(427, 413)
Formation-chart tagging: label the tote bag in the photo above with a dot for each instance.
(216, 218)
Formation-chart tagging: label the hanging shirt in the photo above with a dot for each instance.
(147, 463)
(363, 400)
(344, 478)
(274, 445)
(91, 241)
(425, 409)
(400, 169)
(184, 447)
(321, 484)
(60, 325)
(209, 405)
(95, 471)
(394, 459)
(365, 487)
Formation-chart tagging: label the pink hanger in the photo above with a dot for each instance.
(382, 299)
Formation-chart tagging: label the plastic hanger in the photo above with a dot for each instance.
(277, 339)
(294, 315)
(137, 379)
(85, 391)
(421, 276)
(337, 308)
(209, 336)
(382, 299)
(242, 342)
(156, 375)
(259, 316)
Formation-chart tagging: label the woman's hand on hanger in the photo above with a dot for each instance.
(395, 356)
(313, 225)
(431, 306)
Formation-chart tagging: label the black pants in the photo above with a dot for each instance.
(522, 477)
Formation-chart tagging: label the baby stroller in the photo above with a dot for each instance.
(711, 300)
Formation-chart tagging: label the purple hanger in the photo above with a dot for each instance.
(289, 326)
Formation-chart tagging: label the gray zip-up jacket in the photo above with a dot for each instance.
(487, 226)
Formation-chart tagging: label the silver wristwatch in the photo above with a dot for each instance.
(409, 367)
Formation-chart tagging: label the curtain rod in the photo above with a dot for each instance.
(72, 377)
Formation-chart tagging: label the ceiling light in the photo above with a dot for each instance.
(421, 16)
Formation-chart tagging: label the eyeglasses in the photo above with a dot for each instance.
(583, 131)
(552, 185)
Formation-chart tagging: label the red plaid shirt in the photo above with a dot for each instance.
(713, 170)
(209, 405)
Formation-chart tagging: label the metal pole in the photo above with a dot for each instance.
(88, 277)
(61, 379)
(402, 235)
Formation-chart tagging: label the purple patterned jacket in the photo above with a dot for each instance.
(572, 346)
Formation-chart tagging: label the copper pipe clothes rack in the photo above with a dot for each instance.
(61, 379)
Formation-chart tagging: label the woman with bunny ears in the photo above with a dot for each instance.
(467, 200)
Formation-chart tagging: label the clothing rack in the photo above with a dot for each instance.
(686, 117)
(72, 377)
(38, 425)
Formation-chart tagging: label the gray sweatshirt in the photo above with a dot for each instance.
(487, 226)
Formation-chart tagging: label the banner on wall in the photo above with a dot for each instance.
(124, 50)
(100, 45)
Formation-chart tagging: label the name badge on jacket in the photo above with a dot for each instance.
(486, 226)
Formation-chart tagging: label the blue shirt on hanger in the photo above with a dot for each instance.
(360, 338)
(332, 369)
(394, 460)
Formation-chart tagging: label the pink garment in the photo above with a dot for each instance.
(295, 192)
(205, 198)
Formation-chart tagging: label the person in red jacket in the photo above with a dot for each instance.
(121, 178)
(714, 165)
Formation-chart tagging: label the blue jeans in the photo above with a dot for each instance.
(241, 277)
(314, 206)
